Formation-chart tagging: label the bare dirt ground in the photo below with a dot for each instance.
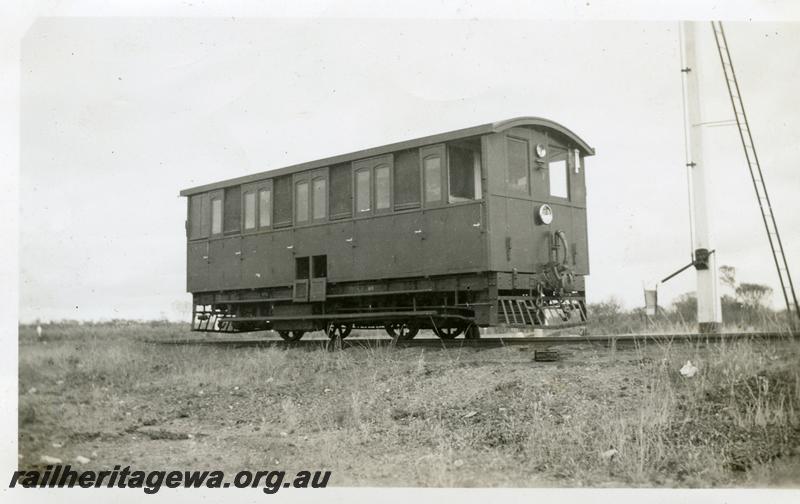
(414, 417)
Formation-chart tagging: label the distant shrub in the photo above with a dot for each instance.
(746, 313)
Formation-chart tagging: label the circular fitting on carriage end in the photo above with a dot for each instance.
(544, 214)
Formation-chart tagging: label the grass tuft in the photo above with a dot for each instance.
(384, 416)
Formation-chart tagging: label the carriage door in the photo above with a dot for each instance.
(302, 273)
(319, 278)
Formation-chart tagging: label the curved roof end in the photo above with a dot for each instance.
(546, 123)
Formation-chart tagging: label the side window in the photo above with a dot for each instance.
(301, 268)
(311, 196)
(319, 266)
(257, 205)
(406, 184)
(341, 194)
(250, 210)
(432, 173)
(196, 217)
(232, 211)
(372, 179)
(383, 188)
(205, 223)
(301, 202)
(216, 216)
(265, 207)
(518, 164)
(464, 172)
(558, 175)
(362, 191)
(319, 201)
(282, 194)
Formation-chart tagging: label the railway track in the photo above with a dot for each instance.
(485, 342)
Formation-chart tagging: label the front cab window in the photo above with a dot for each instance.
(558, 174)
(518, 165)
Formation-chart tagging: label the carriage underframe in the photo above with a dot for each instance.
(401, 313)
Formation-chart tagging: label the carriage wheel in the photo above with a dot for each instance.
(472, 332)
(401, 330)
(339, 330)
(291, 335)
(449, 331)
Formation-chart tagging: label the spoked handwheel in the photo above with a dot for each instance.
(291, 335)
(401, 330)
(338, 330)
(449, 330)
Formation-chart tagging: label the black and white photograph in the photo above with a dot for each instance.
(288, 250)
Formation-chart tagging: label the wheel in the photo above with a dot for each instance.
(449, 330)
(472, 332)
(339, 330)
(401, 330)
(291, 335)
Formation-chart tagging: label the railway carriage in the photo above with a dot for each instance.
(483, 226)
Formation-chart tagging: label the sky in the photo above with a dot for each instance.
(119, 114)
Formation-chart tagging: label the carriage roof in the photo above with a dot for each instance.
(482, 129)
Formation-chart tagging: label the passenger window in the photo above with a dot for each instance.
(373, 184)
(232, 210)
(301, 268)
(464, 174)
(320, 266)
(518, 164)
(196, 216)
(249, 210)
(216, 216)
(265, 207)
(382, 188)
(301, 202)
(406, 182)
(432, 171)
(341, 191)
(282, 194)
(559, 186)
(205, 210)
(320, 197)
(362, 191)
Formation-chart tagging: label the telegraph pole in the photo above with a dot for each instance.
(709, 311)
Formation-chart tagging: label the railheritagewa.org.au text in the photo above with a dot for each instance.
(64, 476)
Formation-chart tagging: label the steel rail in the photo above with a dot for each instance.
(484, 342)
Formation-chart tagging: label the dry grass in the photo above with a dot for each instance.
(382, 416)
